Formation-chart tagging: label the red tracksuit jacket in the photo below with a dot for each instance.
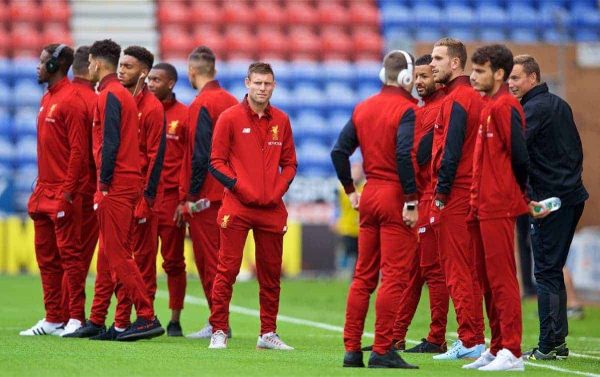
(62, 148)
(387, 150)
(152, 140)
(255, 159)
(426, 117)
(88, 93)
(195, 182)
(500, 161)
(176, 114)
(115, 137)
(454, 137)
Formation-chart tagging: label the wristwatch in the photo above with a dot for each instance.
(438, 204)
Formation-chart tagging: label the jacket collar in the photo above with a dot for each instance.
(211, 85)
(167, 104)
(462, 80)
(251, 112)
(140, 96)
(502, 91)
(536, 90)
(397, 91)
(58, 85)
(438, 94)
(83, 82)
(107, 80)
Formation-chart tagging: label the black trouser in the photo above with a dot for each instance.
(551, 238)
(525, 256)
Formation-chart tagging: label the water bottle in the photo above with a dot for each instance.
(200, 205)
(551, 204)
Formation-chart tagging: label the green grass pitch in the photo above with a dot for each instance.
(313, 313)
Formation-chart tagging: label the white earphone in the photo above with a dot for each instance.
(405, 76)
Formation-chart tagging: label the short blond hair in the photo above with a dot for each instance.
(529, 64)
(456, 49)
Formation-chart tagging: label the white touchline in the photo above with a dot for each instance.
(320, 325)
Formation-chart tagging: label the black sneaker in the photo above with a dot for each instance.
(397, 345)
(559, 352)
(354, 360)
(110, 334)
(174, 329)
(142, 329)
(427, 347)
(89, 329)
(562, 352)
(391, 359)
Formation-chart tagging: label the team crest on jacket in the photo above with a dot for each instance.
(51, 111)
(225, 221)
(173, 127)
(275, 133)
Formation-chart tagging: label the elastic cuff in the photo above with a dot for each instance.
(349, 188)
(410, 197)
(103, 186)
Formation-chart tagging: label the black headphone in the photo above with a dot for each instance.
(52, 63)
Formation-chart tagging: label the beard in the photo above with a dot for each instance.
(443, 79)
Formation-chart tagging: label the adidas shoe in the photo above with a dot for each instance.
(482, 361)
(353, 360)
(271, 341)
(505, 360)
(44, 327)
(458, 351)
(428, 347)
(142, 329)
(391, 359)
(111, 334)
(174, 329)
(89, 329)
(72, 326)
(218, 340)
(206, 333)
(397, 345)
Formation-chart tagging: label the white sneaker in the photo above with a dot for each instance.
(204, 333)
(72, 326)
(218, 340)
(505, 360)
(271, 341)
(44, 327)
(482, 361)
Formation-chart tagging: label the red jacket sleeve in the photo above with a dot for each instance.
(78, 146)
(287, 162)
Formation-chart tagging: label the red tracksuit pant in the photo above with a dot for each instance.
(115, 217)
(57, 250)
(493, 241)
(171, 241)
(89, 239)
(268, 226)
(425, 269)
(205, 235)
(385, 246)
(457, 259)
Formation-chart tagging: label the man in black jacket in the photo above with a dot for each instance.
(556, 164)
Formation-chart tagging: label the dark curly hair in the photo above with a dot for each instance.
(65, 59)
(498, 55)
(107, 50)
(424, 60)
(169, 69)
(142, 54)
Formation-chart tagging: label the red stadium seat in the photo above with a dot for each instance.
(300, 13)
(210, 37)
(175, 41)
(239, 41)
(4, 15)
(269, 13)
(24, 10)
(173, 13)
(364, 13)
(25, 37)
(304, 44)
(56, 33)
(367, 42)
(272, 41)
(56, 11)
(4, 42)
(332, 13)
(206, 13)
(237, 13)
(336, 42)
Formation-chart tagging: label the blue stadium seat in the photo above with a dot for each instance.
(340, 95)
(523, 36)
(6, 96)
(367, 71)
(308, 96)
(584, 3)
(464, 3)
(550, 15)
(6, 123)
(463, 34)
(365, 91)
(394, 15)
(585, 16)
(310, 123)
(5, 70)
(428, 35)
(313, 150)
(307, 71)
(234, 72)
(335, 70)
(316, 169)
(492, 35)
(23, 68)
(27, 93)
(337, 120)
(26, 151)
(284, 73)
(458, 15)
(7, 152)
(429, 16)
(238, 91)
(282, 96)
(185, 94)
(586, 35)
(522, 16)
(25, 122)
(491, 16)
(396, 35)
(25, 176)
(553, 36)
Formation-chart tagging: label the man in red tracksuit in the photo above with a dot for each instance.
(161, 81)
(253, 156)
(498, 196)
(116, 152)
(55, 205)
(195, 182)
(89, 221)
(452, 165)
(426, 266)
(383, 127)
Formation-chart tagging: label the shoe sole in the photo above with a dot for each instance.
(390, 367)
(177, 334)
(353, 365)
(144, 335)
(273, 349)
